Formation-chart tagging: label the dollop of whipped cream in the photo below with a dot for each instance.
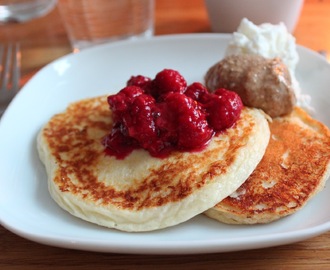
(270, 41)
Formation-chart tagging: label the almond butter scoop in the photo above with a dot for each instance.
(261, 83)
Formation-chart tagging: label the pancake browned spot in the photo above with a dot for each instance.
(294, 168)
(140, 192)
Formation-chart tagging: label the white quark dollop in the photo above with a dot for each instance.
(269, 41)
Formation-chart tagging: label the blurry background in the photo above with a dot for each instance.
(44, 39)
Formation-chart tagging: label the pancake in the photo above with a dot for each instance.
(294, 168)
(140, 192)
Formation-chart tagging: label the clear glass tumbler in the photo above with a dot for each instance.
(18, 11)
(91, 22)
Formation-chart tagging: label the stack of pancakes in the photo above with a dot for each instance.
(140, 192)
(257, 171)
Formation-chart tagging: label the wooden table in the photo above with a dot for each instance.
(44, 40)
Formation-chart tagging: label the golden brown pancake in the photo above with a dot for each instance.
(140, 192)
(294, 168)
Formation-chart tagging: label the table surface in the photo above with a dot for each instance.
(44, 40)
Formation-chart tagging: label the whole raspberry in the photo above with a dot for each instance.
(197, 91)
(193, 131)
(140, 81)
(139, 121)
(223, 108)
(168, 81)
(119, 103)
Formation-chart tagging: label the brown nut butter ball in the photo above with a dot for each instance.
(261, 83)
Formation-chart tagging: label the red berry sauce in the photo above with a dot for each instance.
(163, 114)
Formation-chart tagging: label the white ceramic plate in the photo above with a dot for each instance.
(25, 205)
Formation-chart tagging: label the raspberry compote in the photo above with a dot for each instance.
(163, 114)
